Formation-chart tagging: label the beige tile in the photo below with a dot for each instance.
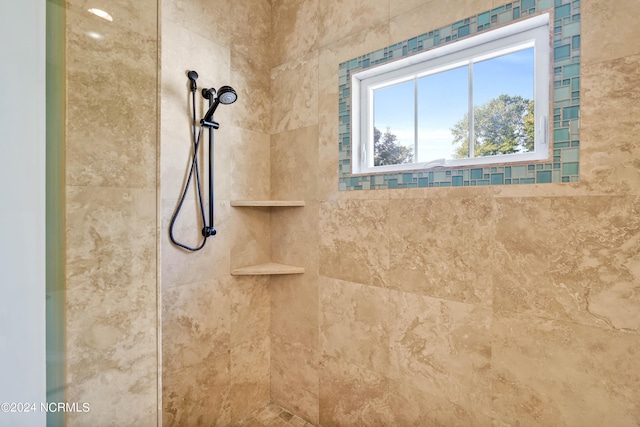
(442, 348)
(195, 324)
(295, 308)
(250, 309)
(354, 241)
(198, 395)
(398, 7)
(251, 30)
(251, 81)
(569, 259)
(606, 29)
(354, 324)
(180, 267)
(249, 378)
(609, 150)
(207, 18)
(554, 373)
(432, 16)
(249, 164)
(351, 395)
(443, 248)
(294, 378)
(111, 352)
(295, 234)
(140, 18)
(411, 406)
(110, 237)
(251, 242)
(111, 103)
(294, 29)
(294, 164)
(339, 19)
(294, 94)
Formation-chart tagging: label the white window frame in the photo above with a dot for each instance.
(532, 32)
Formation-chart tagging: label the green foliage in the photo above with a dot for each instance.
(387, 151)
(503, 125)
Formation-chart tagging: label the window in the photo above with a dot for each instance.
(422, 111)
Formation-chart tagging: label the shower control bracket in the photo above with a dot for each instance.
(208, 231)
(214, 125)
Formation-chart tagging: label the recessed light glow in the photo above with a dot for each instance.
(102, 14)
(94, 35)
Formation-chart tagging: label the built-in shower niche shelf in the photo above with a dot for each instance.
(267, 268)
(267, 203)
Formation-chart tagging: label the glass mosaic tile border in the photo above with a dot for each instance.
(565, 137)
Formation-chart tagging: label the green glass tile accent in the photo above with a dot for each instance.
(562, 93)
(456, 181)
(562, 52)
(556, 175)
(515, 181)
(575, 179)
(476, 173)
(497, 178)
(561, 134)
(407, 177)
(440, 176)
(505, 17)
(507, 181)
(423, 182)
(570, 113)
(518, 171)
(516, 13)
(572, 70)
(540, 166)
(342, 186)
(531, 167)
(562, 11)
(507, 172)
(570, 155)
(544, 4)
(527, 4)
(563, 144)
(570, 168)
(527, 181)
(484, 18)
(463, 31)
(571, 29)
(483, 182)
(393, 183)
(543, 176)
(379, 179)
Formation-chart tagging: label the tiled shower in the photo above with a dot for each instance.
(478, 305)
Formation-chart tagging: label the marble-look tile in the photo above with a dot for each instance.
(351, 395)
(251, 30)
(198, 395)
(294, 378)
(354, 243)
(249, 164)
(195, 324)
(571, 259)
(250, 309)
(339, 19)
(295, 308)
(110, 237)
(607, 27)
(434, 15)
(295, 233)
(354, 324)
(609, 128)
(443, 248)
(411, 406)
(398, 7)
(294, 29)
(442, 348)
(111, 353)
(140, 17)
(203, 17)
(180, 267)
(294, 94)
(111, 105)
(554, 373)
(249, 378)
(252, 83)
(294, 164)
(251, 242)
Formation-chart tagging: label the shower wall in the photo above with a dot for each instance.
(453, 306)
(111, 149)
(215, 327)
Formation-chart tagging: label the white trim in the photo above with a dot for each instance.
(532, 32)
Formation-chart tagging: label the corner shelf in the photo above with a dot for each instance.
(268, 268)
(267, 203)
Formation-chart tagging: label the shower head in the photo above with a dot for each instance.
(225, 95)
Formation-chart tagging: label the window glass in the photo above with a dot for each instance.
(394, 124)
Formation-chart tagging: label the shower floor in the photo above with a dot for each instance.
(273, 415)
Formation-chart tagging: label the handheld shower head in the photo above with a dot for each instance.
(225, 95)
